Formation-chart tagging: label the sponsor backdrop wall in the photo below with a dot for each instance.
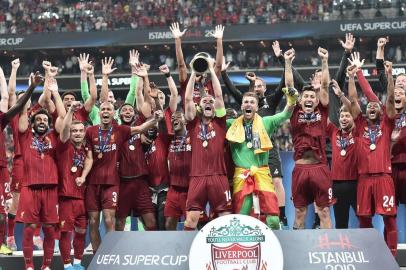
(288, 164)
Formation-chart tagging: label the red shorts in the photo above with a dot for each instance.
(175, 205)
(376, 194)
(38, 205)
(17, 174)
(135, 198)
(399, 178)
(99, 197)
(312, 183)
(72, 214)
(213, 189)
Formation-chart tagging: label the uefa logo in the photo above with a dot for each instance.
(235, 242)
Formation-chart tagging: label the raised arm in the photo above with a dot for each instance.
(3, 92)
(348, 46)
(237, 95)
(157, 116)
(107, 69)
(190, 109)
(60, 109)
(363, 83)
(325, 76)
(380, 66)
(35, 80)
(218, 94)
(177, 35)
(84, 87)
(352, 91)
(340, 94)
(143, 106)
(90, 102)
(173, 99)
(390, 100)
(64, 135)
(12, 98)
(218, 35)
(288, 56)
(133, 62)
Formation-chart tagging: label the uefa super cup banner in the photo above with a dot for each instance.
(237, 242)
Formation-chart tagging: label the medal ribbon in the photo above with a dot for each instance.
(78, 159)
(40, 144)
(203, 131)
(103, 143)
(309, 116)
(182, 142)
(400, 121)
(343, 143)
(248, 132)
(132, 139)
(373, 133)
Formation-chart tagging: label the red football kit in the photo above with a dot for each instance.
(399, 159)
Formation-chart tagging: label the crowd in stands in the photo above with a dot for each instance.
(31, 16)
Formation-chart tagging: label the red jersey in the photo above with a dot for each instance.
(309, 132)
(208, 88)
(14, 130)
(3, 157)
(81, 115)
(378, 160)
(156, 157)
(208, 160)
(179, 158)
(68, 157)
(132, 159)
(105, 169)
(343, 148)
(39, 155)
(399, 148)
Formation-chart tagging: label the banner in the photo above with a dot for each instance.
(247, 32)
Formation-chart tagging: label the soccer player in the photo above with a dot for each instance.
(135, 195)
(39, 192)
(104, 142)
(376, 191)
(249, 136)
(156, 150)
(343, 146)
(68, 97)
(208, 175)
(179, 158)
(71, 155)
(311, 180)
(202, 85)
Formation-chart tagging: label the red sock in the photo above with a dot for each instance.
(79, 245)
(28, 244)
(37, 231)
(49, 244)
(365, 222)
(10, 225)
(186, 228)
(3, 226)
(391, 234)
(64, 246)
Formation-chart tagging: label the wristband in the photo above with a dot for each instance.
(167, 75)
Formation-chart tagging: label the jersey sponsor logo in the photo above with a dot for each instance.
(177, 146)
(309, 118)
(235, 242)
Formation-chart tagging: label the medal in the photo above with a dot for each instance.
(100, 155)
(205, 144)
(103, 143)
(372, 147)
(372, 136)
(249, 145)
(343, 152)
(131, 147)
(74, 169)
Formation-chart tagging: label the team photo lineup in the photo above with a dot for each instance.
(81, 161)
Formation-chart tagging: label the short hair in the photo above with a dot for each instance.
(401, 74)
(345, 109)
(308, 87)
(77, 122)
(41, 111)
(125, 104)
(262, 80)
(69, 93)
(251, 94)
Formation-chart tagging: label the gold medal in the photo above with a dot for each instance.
(249, 145)
(343, 152)
(131, 147)
(205, 144)
(372, 146)
(42, 155)
(100, 155)
(74, 169)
